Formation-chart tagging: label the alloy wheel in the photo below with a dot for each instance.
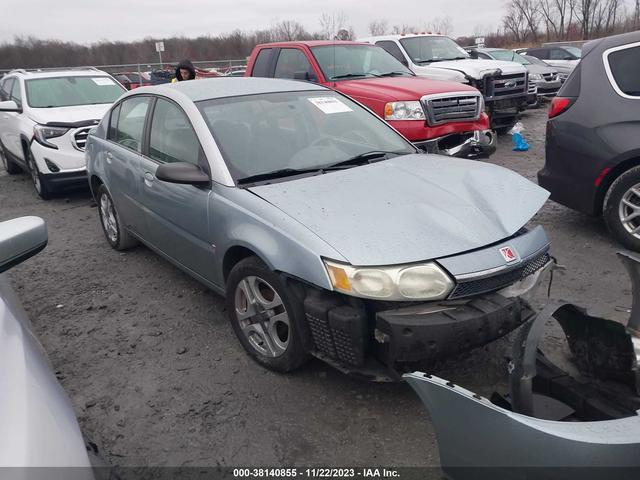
(262, 316)
(108, 216)
(629, 211)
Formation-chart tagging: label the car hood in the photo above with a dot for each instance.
(541, 69)
(410, 208)
(477, 68)
(399, 88)
(71, 115)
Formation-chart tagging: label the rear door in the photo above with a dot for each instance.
(177, 215)
(124, 156)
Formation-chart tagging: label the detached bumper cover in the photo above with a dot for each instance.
(479, 440)
(472, 145)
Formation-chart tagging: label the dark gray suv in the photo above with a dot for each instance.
(593, 137)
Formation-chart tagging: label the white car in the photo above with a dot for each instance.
(45, 117)
(566, 56)
(503, 84)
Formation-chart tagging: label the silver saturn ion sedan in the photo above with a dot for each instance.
(326, 230)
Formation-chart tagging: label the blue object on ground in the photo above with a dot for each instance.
(519, 143)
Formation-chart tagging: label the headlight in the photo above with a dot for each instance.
(42, 133)
(404, 111)
(425, 281)
(535, 76)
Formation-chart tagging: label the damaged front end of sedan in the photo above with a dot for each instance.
(551, 424)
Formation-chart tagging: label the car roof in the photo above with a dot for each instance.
(224, 87)
(312, 43)
(398, 36)
(28, 74)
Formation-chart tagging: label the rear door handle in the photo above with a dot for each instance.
(148, 178)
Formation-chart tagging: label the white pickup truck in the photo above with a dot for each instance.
(503, 84)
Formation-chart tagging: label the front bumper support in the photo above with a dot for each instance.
(474, 145)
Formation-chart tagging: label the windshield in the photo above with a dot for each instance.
(260, 134)
(509, 56)
(432, 49)
(349, 61)
(71, 91)
(534, 60)
(576, 52)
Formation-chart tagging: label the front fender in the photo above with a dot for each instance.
(240, 218)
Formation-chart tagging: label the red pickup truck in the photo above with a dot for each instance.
(438, 117)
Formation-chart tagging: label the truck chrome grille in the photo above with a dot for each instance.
(462, 107)
(501, 279)
(508, 85)
(80, 137)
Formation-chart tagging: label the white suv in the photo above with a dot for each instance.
(45, 117)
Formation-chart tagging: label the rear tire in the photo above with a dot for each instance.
(10, 166)
(266, 316)
(40, 183)
(621, 209)
(114, 231)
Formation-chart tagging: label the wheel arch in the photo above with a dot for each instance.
(233, 256)
(611, 177)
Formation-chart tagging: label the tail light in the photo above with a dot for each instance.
(559, 105)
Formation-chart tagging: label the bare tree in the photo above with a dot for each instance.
(443, 25)
(514, 23)
(332, 23)
(379, 27)
(636, 15)
(530, 10)
(288, 30)
(404, 28)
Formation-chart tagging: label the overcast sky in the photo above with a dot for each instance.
(87, 21)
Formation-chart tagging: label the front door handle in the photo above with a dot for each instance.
(109, 157)
(148, 178)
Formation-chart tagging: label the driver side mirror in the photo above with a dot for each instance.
(182, 173)
(21, 238)
(10, 106)
(474, 54)
(306, 76)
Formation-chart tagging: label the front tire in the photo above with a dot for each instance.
(265, 316)
(117, 236)
(40, 183)
(621, 209)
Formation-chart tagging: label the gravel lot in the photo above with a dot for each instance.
(157, 376)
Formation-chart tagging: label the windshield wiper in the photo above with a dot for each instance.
(348, 75)
(434, 60)
(393, 74)
(283, 172)
(361, 159)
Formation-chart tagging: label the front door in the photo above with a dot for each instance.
(177, 215)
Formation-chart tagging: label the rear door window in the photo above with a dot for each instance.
(624, 69)
(292, 63)
(130, 127)
(261, 65)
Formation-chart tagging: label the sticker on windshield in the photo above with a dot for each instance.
(103, 81)
(329, 104)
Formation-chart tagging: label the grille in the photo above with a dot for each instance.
(80, 137)
(452, 108)
(508, 85)
(500, 280)
(532, 87)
